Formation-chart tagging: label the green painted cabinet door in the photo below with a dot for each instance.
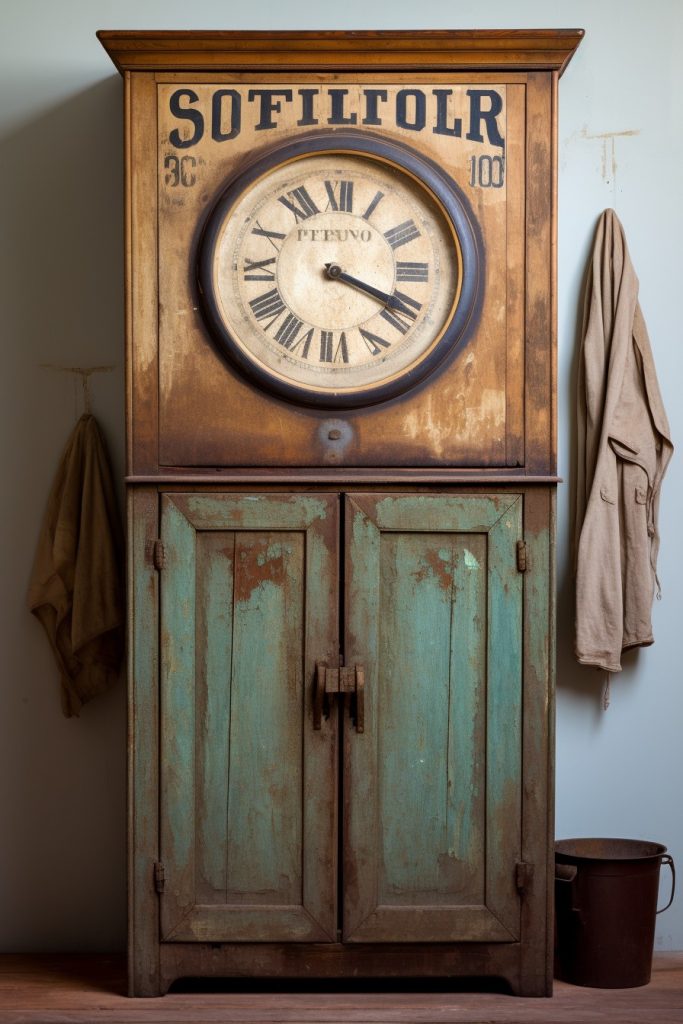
(432, 786)
(248, 814)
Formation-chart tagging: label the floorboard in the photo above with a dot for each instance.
(87, 989)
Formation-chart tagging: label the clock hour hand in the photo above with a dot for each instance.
(335, 273)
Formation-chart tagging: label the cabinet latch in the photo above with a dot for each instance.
(522, 561)
(159, 877)
(347, 683)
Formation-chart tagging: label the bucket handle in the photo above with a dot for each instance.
(567, 873)
(667, 859)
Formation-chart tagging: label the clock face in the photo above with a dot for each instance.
(339, 271)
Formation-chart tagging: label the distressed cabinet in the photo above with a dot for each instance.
(432, 785)
(341, 480)
(418, 830)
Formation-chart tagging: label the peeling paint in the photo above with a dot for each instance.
(259, 564)
(437, 567)
(470, 560)
(484, 416)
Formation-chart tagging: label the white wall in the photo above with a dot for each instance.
(62, 851)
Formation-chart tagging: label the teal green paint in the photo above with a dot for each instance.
(234, 720)
(215, 567)
(253, 512)
(466, 823)
(265, 782)
(424, 818)
(435, 512)
(444, 696)
(470, 560)
(504, 745)
(177, 712)
(415, 614)
(233, 723)
(432, 700)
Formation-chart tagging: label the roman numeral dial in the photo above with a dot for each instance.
(335, 272)
(341, 314)
(401, 234)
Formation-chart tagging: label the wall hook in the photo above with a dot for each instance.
(84, 372)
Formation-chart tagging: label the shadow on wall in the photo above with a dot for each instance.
(63, 228)
(61, 281)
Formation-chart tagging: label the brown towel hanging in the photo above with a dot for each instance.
(76, 588)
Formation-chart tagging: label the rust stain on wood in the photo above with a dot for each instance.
(439, 567)
(261, 563)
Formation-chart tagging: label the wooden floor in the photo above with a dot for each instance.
(57, 990)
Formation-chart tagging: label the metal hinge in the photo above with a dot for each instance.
(159, 877)
(523, 875)
(522, 560)
(159, 554)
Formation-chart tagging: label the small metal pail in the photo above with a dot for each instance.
(605, 908)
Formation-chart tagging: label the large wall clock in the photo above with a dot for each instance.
(340, 269)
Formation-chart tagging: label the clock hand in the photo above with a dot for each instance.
(335, 273)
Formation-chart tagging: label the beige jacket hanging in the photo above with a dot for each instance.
(624, 447)
(76, 588)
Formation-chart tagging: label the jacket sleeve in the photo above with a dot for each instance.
(599, 602)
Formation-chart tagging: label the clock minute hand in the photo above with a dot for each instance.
(335, 273)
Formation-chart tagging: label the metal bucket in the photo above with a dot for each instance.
(605, 908)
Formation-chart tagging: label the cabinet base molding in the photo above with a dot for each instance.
(506, 962)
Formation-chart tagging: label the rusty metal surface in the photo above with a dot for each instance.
(606, 906)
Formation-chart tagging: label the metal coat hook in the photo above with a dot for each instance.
(84, 372)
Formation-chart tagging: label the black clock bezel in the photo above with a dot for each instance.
(453, 202)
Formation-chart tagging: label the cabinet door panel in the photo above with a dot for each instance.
(248, 829)
(432, 786)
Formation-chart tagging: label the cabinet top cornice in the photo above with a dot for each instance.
(446, 50)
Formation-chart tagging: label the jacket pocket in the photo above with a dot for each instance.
(641, 495)
(607, 495)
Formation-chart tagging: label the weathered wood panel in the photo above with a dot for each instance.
(215, 567)
(504, 719)
(516, 48)
(467, 714)
(540, 326)
(433, 785)
(143, 743)
(470, 412)
(177, 640)
(515, 248)
(266, 722)
(238, 774)
(432, 670)
(142, 293)
(536, 972)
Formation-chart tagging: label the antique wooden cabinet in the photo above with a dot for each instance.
(340, 267)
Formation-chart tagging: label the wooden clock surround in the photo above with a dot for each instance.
(341, 644)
